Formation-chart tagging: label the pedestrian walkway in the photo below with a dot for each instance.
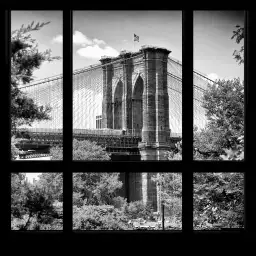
(36, 158)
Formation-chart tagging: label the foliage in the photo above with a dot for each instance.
(224, 104)
(175, 154)
(138, 209)
(170, 191)
(95, 188)
(87, 150)
(218, 200)
(119, 202)
(25, 58)
(14, 150)
(32, 206)
(99, 217)
(238, 34)
(56, 153)
(52, 185)
(19, 188)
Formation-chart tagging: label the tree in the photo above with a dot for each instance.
(94, 188)
(223, 137)
(224, 104)
(14, 150)
(52, 184)
(218, 200)
(25, 58)
(19, 188)
(87, 150)
(175, 154)
(56, 153)
(33, 204)
(239, 36)
(38, 204)
(170, 191)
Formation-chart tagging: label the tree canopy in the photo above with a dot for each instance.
(224, 104)
(223, 136)
(95, 188)
(218, 200)
(25, 58)
(87, 150)
(238, 35)
(33, 206)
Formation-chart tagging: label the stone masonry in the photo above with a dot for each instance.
(135, 98)
(139, 186)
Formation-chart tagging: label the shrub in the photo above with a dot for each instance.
(138, 209)
(56, 153)
(103, 217)
(119, 202)
(14, 150)
(87, 150)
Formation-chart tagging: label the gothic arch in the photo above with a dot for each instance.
(135, 77)
(118, 105)
(137, 105)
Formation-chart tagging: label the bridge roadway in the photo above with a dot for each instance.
(114, 141)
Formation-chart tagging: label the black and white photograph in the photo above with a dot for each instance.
(36, 85)
(218, 201)
(127, 82)
(92, 92)
(219, 97)
(127, 201)
(36, 201)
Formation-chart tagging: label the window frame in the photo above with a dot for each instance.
(186, 166)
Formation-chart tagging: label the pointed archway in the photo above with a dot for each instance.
(118, 106)
(137, 106)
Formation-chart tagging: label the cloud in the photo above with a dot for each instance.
(81, 39)
(91, 48)
(58, 39)
(96, 52)
(98, 41)
(213, 76)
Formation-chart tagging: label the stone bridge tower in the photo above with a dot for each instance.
(139, 186)
(135, 98)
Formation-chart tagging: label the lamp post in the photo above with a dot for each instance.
(162, 215)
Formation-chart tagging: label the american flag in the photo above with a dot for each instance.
(136, 38)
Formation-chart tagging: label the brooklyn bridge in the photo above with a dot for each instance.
(130, 104)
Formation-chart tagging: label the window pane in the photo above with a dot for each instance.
(218, 201)
(127, 84)
(127, 201)
(219, 86)
(36, 201)
(36, 84)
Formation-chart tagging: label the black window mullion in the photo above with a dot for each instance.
(249, 81)
(67, 120)
(187, 121)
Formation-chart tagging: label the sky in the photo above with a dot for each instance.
(45, 37)
(30, 176)
(98, 33)
(213, 47)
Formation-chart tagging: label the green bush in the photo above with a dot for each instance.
(99, 217)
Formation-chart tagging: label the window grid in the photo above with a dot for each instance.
(186, 166)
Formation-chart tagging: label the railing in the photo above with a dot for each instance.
(40, 130)
(104, 131)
